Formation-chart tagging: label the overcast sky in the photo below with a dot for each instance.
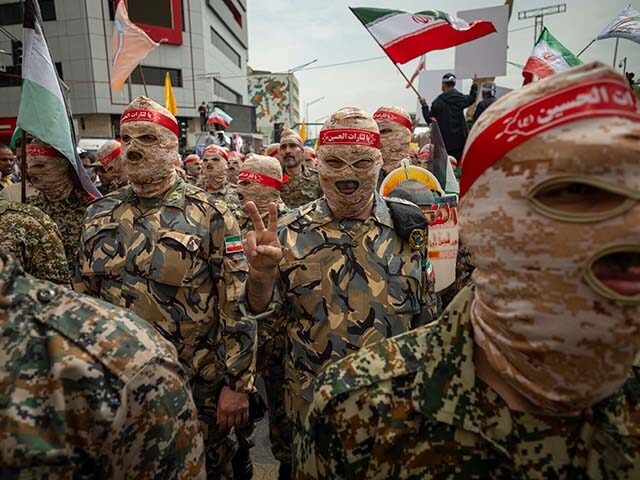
(286, 33)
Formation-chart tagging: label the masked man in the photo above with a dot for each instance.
(110, 171)
(395, 136)
(233, 168)
(167, 251)
(216, 166)
(352, 272)
(529, 374)
(260, 181)
(272, 150)
(310, 158)
(302, 185)
(59, 195)
(193, 168)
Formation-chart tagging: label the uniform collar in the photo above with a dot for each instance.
(447, 389)
(322, 214)
(174, 197)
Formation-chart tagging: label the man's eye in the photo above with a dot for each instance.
(125, 139)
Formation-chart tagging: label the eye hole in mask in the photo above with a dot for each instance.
(579, 199)
(147, 139)
(337, 164)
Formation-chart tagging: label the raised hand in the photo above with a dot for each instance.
(261, 246)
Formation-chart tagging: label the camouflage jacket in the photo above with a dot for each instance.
(343, 285)
(229, 195)
(412, 407)
(111, 187)
(302, 189)
(172, 261)
(32, 237)
(88, 389)
(68, 215)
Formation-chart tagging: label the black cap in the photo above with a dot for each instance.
(448, 78)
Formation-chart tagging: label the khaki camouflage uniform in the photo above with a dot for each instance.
(111, 186)
(342, 285)
(88, 390)
(302, 189)
(165, 259)
(68, 215)
(229, 195)
(32, 237)
(412, 407)
(270, 366)
(464, 269)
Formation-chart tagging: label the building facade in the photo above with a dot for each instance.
(204, 47)
(276, 97)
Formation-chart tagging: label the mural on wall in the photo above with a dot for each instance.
(270, 96)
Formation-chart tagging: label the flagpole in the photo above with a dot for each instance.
(583, 50)
(394, 63)
(615, 53)
(144, 84)
(23, 167)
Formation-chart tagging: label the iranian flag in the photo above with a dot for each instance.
(549, 57)
(404, 36)
(43, 111)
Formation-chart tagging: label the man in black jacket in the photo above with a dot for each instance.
(448, 110)
(488, 92)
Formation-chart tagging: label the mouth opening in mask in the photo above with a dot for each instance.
(347, 187)
(133, 156)
(615, 274)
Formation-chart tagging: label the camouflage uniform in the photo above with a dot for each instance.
(68, 215)
(193, 179)
(165, 259)
(464, 269)
(33, 238)
(412, 407)
(111, 186)
(342, 285)
(229, 195)
(88, 389)
(270, 365)
(302, 189)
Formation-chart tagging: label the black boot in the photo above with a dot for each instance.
(242, 466)
(284, 472)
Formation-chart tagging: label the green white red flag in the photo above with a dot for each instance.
(626, 25)
(549, 57)
(404, 36)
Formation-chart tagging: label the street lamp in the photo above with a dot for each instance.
(300, 67)
(307, 105)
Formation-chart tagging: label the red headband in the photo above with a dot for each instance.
(191, 159)
(349, 136)
(150, 116)
(43, 151)
(599, 97)
(107, 159)
(392, 117)
(255, 177)
(217, 150)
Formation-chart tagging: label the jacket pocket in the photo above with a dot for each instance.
(175, 260)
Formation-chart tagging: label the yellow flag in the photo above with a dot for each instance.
(303, 132)
(169, 96)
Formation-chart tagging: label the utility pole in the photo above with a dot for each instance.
(538, 15)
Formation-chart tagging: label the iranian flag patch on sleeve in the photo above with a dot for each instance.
(233, 244)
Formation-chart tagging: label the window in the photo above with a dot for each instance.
(222, 45)
(156, 75)
(234, 11)
(226, 93)
(12, 13)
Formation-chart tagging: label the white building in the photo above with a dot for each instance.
(204, 48)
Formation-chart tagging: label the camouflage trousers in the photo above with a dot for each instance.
(219, 446)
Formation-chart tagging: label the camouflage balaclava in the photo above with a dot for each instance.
(260, 181)
(349, 161)
(109, 156)
(550, 215)
(395, 135)
(216, 166)
(291, 149)
(193, 165)
(233, 167)
(49, 171)
(273, 150)
(149, 134)
(310, 157)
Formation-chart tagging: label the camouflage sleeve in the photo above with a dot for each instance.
(87, 284)
(156, 433)
(239, 333)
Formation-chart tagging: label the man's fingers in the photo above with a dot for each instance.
(254, 216)
(249, 243)
(273, 217)
(274, 253)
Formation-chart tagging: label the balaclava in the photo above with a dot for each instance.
(49, 171)
(109, 156)
(291, 157)
(216, 165)
(310, 157)
(260, 181)
(424, 158)
(550, 215)
(395, 135)
(193, 165)
(273, 150)
(349, 161)
(149, 134)
(233, 168)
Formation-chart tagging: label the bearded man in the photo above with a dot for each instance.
(302, 185)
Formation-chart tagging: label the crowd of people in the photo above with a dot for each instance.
(133, 327)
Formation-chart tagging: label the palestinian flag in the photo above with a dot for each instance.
(404, 36)
(43, 110)
(549, 57)
(220, 117)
